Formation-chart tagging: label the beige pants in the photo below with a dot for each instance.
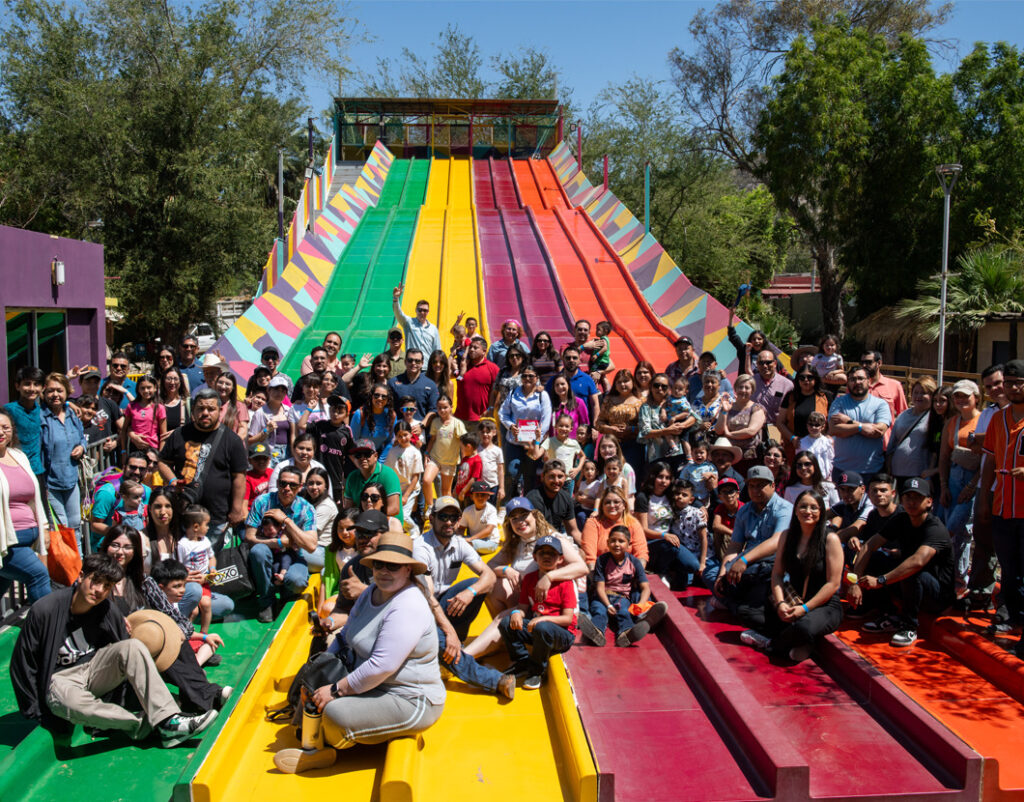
(75, 693)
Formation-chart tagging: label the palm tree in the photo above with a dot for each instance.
(988, 281)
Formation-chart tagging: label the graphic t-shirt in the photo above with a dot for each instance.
(189, 447)
(560, 596)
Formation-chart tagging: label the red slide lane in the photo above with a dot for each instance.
(483, 190)
(504, 185)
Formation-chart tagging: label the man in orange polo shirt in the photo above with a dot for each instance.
(1004, 503)
(889, 390)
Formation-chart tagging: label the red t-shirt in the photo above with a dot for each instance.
(256, 484)
(475, 390)
(560, 596)
(470, 469)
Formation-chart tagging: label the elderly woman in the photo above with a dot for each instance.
(394, 686)
(809, 563)
(741, 421)
(620, 415)
(709, 403)
(22, 519)
(63, 445)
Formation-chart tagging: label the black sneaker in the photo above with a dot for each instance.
(904, 638)
(520, 669)
(265, 615)
(887, 623)
(655, 614)
(533, 682)
(589, 630)
(633, 634)
(215, 660)
(180, 728)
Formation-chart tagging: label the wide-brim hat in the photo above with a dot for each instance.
(801, 350)
(393, 547)
(723, 444)
(159, 634)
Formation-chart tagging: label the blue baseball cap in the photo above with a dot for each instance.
(548, 540)
(518, 503)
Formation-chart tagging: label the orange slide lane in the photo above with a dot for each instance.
(550, 187)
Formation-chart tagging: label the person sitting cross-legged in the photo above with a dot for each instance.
(73, 650)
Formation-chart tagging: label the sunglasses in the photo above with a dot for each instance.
(546, 342)
(380, 565)
(380, 395)
(659, 386)
(448, 517)
(370, 497)
(423, 309)
(766, 362)
(806, 378)
(119, 365)
(282, 483)
(408, 409)
(414, 361)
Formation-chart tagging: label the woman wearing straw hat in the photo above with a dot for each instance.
(397, 692)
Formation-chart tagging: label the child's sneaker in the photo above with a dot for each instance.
(180, 728)
(533, 682)
(589, 630)
(752, 637)
(655, 614)
(633, 634)
(904, 638)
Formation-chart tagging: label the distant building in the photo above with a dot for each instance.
(53, 301)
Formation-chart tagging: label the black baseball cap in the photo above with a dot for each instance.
(259, 450)
(683, 341)
(917, 485)
(270, 351)
(479, 487)
(371, 521)
(364, 444)
(1014, 369)
(848, 479)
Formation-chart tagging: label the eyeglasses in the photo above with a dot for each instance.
(283, 483)
(119, 365)
(805, 465)
(410, 361)
(867, 361)
(1013, 383)
(165, 357)
(529, 375)
(370, 497)
(188, 347)
(448, 517)
(380, 565)
(119, 547)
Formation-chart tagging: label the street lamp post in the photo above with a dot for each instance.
(948, 174)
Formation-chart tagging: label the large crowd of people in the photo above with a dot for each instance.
(563, 481)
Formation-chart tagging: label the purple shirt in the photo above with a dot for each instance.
(770, 395)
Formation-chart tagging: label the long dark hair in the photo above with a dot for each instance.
(806, 370)
(174, 525)
(347, 514)
(442, 379)
(653, 470)
(367, 415)
(135, 570)
(314, 471)
(817, 478)
(231, 416)
(549, 349)
(570, 397)
(816, 545)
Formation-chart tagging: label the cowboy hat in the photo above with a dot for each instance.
(159, 634)
(723, 444)
(394, 548)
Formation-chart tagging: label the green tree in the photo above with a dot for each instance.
(153, 128)
(453, 71)
(850, 123)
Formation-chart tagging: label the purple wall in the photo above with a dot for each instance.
(25, 282)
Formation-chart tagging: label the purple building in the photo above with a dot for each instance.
(52, 293)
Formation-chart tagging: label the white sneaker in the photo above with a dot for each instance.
(751, 637)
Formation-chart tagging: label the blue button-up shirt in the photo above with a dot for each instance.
(519, 407)
(58, 441)
(753, 526)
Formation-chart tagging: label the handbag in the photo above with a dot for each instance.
(232, 575)
(63, 561)
(325, 668)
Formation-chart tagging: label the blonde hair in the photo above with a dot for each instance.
(61, 379)
(627, 517)
(511, 539)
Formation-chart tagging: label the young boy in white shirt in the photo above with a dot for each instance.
(480, 520)
(819, 443)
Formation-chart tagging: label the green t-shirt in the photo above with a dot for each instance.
(354, 484)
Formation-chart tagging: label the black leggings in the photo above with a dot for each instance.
(806, 630)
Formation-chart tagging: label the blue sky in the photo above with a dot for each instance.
(596, 42)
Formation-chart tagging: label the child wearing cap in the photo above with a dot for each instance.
(333, 439)
(549, 625)
(480, 520)
(257, 478)
(471, 466)
(723, 520)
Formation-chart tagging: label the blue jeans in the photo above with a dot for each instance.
(467, 669)
(315, 561)
(623, 618)
(547, 639)
(67, 506)
(958, 516)
(462, 622)
(261, 565)
(220, 605)
(1008, 539)
(21, 564)
(675, 561)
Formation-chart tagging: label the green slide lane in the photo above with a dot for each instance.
(357, 299)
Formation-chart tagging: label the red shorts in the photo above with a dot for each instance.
(207, 592)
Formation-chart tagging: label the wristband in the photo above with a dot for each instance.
(473, 591)
(279, 542)
(806, 608)
(202, 636)
(743, 559)
(860, 426)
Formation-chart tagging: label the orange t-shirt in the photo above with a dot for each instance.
(1004, 443)
(963, 433)
(595, 538)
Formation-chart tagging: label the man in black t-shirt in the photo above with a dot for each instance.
(334, 442)
(882, 493)
(554, 502)
(920, 576)
(220, 461)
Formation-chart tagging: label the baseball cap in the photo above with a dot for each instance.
(683, 341)
(364, 444)
(479, 487)
(270, 351)
(967, 387)
(760, 472)
(372, 521)
(394, 333)
(279, 381)
(848, 479)
(518, 503)
(446, 503)
(548, 540)
(338, 401)
(89, 374)
(917, 485)
(259, 450)
(1014, 369)
(728, 481)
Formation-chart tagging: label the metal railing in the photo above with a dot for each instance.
(95, 461)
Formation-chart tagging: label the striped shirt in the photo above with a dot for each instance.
(1004, 442)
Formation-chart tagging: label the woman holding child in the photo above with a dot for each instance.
(661, 438)
(806, 576)
(393, 686)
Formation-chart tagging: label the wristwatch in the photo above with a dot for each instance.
(335, 691)
(881, 579)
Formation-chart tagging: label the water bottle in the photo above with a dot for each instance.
(312, 727)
